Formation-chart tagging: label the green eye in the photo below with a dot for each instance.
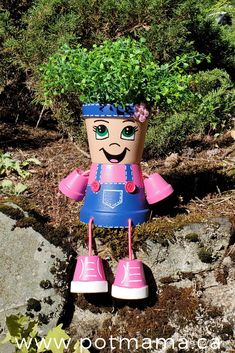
(128, 133)
(101, 132)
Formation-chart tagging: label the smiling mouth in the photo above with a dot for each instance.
(115, 158)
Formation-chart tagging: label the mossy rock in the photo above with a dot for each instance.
(12, 212)
(28, 256)
(26, 216)
(159, 231)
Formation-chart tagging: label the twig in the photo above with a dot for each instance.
(228, 152)
(87, 155)
(223, 200)
(40, 116)
(199, 159)
(218, 189)
(231, 250)
(138, 26)
(197, 198)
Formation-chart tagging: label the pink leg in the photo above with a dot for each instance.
(89, 276)
(130, 280)
(130, 238)
(90, 236)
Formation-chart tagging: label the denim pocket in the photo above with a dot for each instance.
(112, 198)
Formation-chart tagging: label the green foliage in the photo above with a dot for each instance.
(218, 6)
(8, 187)
(31, 32)
(205, 81)
(167, 131)
(118, 72)
(216, 42)
(22, 329)
(169, 27)
(57, 334)
(9, 166)
(5, 61)
(209, 111)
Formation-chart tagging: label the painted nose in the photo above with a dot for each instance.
(115, 144)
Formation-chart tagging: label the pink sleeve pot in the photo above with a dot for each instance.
(74, 185)
(156, 188)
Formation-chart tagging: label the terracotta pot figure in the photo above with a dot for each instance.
(115, 192)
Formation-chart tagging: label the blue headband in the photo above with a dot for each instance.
(107, 110)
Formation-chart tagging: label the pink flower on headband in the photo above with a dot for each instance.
(141, 112)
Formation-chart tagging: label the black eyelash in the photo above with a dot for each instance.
(94, 128)
(136, 128)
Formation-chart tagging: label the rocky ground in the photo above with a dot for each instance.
(187, 247)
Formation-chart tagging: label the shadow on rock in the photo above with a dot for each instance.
(69, 307)
(140, 304)
(100, 302)
(196, 184)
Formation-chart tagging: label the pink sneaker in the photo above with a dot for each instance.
(130, 280)
(89, 276)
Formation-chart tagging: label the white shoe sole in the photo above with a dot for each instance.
(129, 293)
(89, 287)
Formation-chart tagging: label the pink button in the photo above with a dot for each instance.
(95, 186)
(130, 187)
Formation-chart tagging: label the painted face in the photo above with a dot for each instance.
(115, 140)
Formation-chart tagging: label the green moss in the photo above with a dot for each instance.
(214, 312)
(43, 319)
(20, 201)
(205, 255)
(26, 222)
(12, 212)
(33, 304)
(226, 332)
(48, 300)
(56, 236)
(154, 321)
(30, 314)
(222, 274)
(187, 275)
(159, 231)
(166, 280)
(45, 284)
(53, 270)
(193, 237)
(170, 350)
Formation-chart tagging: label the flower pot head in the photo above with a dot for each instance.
(115, 135)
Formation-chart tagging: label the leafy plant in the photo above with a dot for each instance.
(8, 166)
(23, 334)
(21, 328)
(118, 72)
(8, 187)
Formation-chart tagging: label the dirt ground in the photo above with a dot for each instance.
(202, 174)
